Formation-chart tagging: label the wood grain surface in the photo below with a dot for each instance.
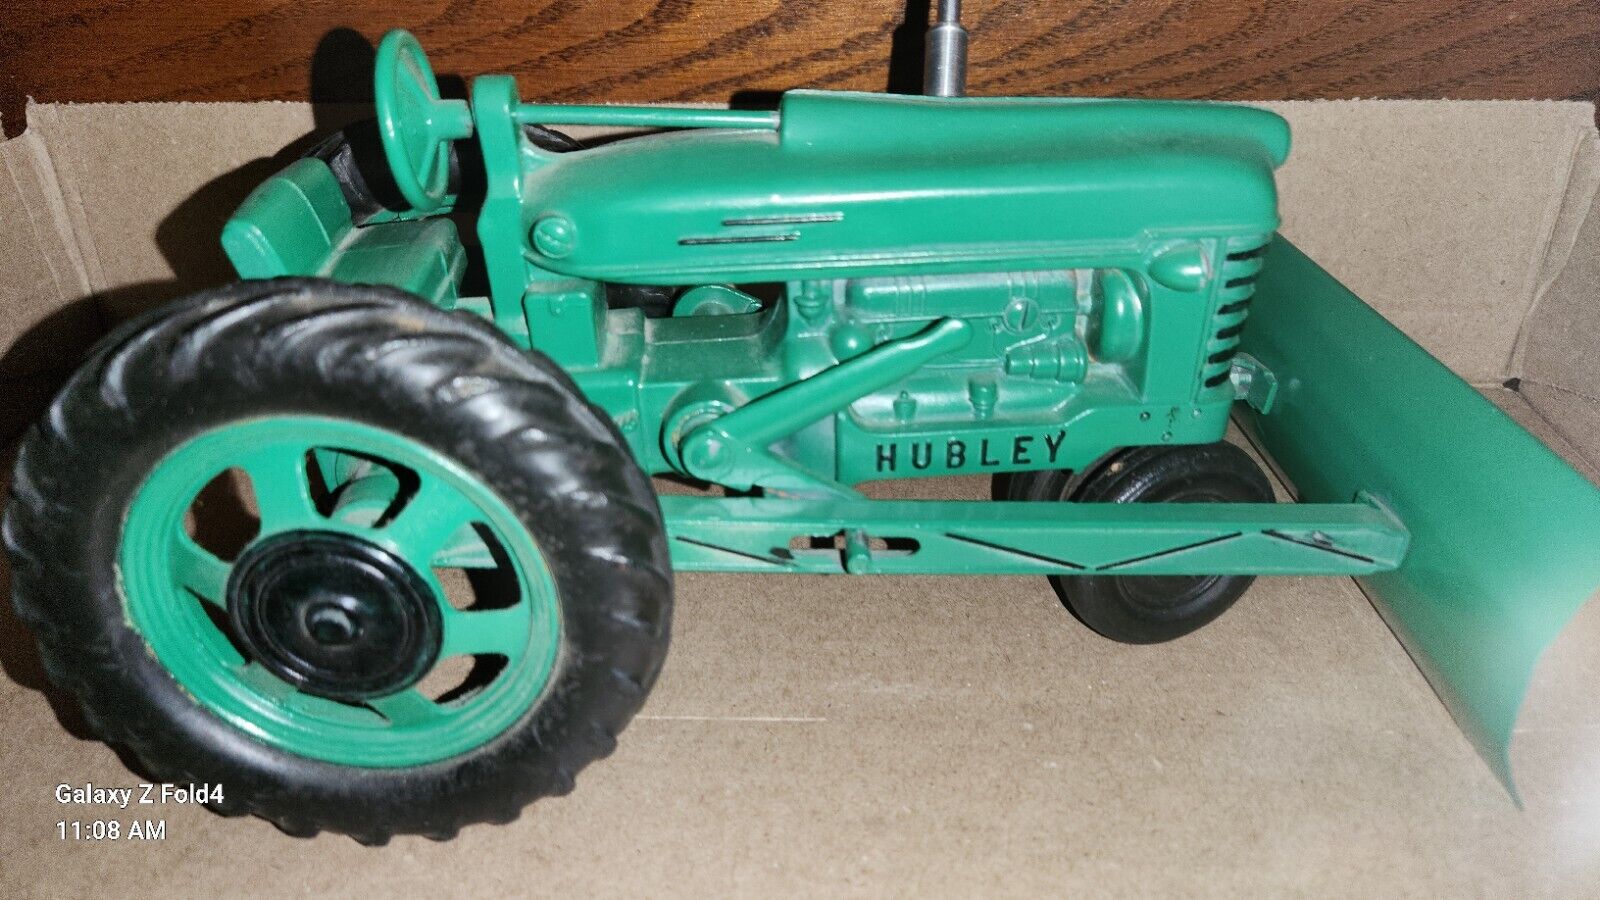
(638, 50)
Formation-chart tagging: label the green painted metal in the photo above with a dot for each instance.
(1256, 384)
(290, 225)
(642, 116)
(827, 194)
(417, 125)
(1503, 532)
(715, 300)
(168, 580)
(731, 448)
(966, 286)
(1090, 327)
(298, 223)
(959, 537)
(944, 309)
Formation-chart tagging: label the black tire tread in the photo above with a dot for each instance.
(1129, 475)
(265, 333)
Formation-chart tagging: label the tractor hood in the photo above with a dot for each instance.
(857, 184)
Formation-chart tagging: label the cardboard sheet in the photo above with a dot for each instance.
(929, 736)
(46, 287)
(1441, 215)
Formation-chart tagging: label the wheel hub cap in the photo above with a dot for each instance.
(334, 615)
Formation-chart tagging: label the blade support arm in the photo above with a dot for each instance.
(1007, 538)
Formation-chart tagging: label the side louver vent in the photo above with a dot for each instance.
(1239, 271)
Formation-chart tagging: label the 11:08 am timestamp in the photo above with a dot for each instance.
(112, 830)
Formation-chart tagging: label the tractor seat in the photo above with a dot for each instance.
(298, 223)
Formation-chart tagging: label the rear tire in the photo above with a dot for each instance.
(1149, 609)
(548, 467)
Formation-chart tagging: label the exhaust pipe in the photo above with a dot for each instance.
(946, 53)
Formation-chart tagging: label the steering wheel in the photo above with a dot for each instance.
(416, 124)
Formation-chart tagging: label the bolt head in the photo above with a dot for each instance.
(555, 236)
(704, 455)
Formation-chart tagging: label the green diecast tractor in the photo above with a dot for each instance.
(443, 449)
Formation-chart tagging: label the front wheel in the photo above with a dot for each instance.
(1148, 609)
(444, 590)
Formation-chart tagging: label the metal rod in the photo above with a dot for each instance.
(946, 54)
(787, 410)
(644, 116)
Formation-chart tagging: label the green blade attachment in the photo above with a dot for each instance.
(1505, 535)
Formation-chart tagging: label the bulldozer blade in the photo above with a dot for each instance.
(1505, 535)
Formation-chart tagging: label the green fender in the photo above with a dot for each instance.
(1505, 536)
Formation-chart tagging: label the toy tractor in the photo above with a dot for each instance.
(781, 305)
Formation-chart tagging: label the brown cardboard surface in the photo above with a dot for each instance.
(949, 736)
(45, 282)
(146, 187)
(926, 736)
(1576, 416)
(1440, 215)
(1564, 421)
(1562, 328)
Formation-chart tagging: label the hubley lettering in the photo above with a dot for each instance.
(957, 454)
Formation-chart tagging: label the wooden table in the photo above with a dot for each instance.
(635, 50)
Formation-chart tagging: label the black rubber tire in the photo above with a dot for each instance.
(385, 358)
(355, 155)
(1150, 609)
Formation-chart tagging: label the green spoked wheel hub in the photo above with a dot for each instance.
(315, 637)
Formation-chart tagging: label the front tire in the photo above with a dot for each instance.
(1149, 609)
(385, 441)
